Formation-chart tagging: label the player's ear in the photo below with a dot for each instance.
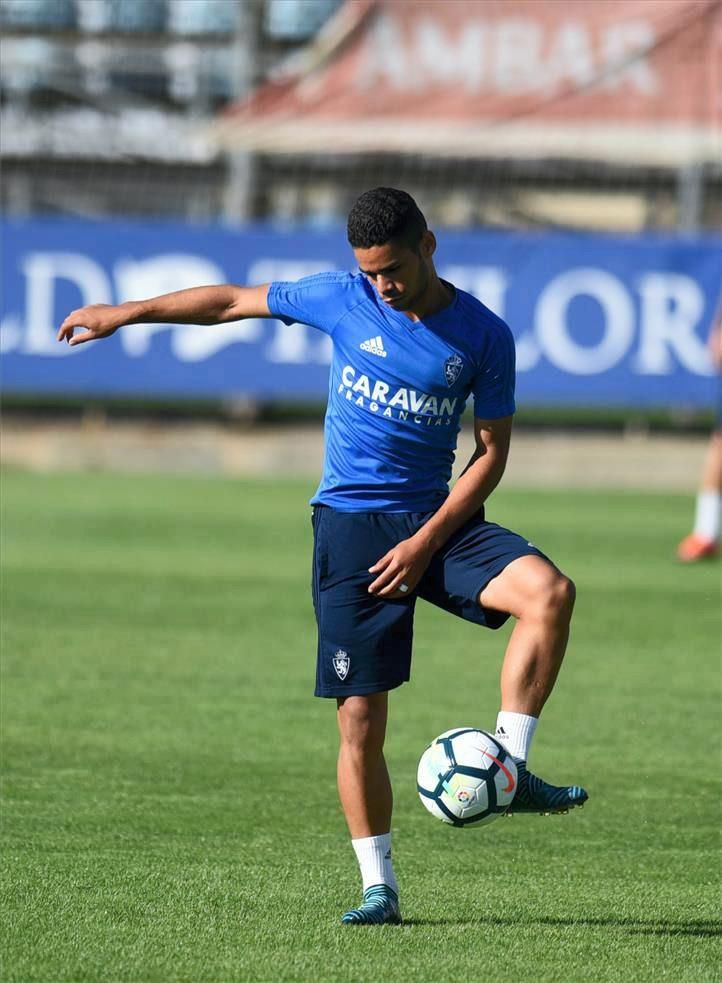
(427, 244)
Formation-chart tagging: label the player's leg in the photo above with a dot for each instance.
(365, 791)
(485, 574)
(364, 786)
(541, 599)
(364, 650)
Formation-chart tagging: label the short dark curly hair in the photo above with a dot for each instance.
(382, 215)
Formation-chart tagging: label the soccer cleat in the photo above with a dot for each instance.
(694, 548)
(534, 795)
(380, 906)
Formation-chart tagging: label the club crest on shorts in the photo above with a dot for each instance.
(452, 369)
(341, 662)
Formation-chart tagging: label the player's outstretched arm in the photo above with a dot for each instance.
(198, 305)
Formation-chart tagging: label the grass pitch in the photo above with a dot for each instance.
(169, 803)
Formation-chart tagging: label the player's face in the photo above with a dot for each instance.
(399, 273)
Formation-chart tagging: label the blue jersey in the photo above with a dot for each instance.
(397, 389)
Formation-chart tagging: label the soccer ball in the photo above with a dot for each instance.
(465, 777)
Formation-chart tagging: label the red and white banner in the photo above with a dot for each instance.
(638, 80)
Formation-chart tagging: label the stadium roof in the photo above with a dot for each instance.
(628, 81)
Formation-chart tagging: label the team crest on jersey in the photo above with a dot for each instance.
(452, 369)
(341, 662)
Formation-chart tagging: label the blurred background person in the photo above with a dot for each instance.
(703, 542)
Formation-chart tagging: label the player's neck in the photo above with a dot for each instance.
(435, 298)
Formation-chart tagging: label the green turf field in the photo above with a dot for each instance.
(169, 802)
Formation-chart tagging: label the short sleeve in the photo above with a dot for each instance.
(320, 300)
(493, 387)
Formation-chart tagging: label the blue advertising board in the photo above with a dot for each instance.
(598, 320)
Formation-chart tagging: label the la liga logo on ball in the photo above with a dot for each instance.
(466, 777)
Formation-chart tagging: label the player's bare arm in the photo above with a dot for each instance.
(406, 562)
(197, 305)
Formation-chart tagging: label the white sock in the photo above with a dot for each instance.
(707, 514)
(515, 731)
(374, 857)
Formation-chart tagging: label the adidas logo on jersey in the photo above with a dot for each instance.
(375, 346)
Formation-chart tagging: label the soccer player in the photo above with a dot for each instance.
(409, 349)
(703, 542)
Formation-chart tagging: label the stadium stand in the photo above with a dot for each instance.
(112, 107)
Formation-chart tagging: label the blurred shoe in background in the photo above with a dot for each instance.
(694, 548)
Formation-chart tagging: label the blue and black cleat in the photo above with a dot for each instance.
(380, 906)
(534, 795)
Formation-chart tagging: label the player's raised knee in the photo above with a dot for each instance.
(561, 593)
(550, 594)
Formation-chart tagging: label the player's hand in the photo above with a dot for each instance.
(97, 320)
(404, 565)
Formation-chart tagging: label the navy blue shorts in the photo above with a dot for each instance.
(364, 642)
